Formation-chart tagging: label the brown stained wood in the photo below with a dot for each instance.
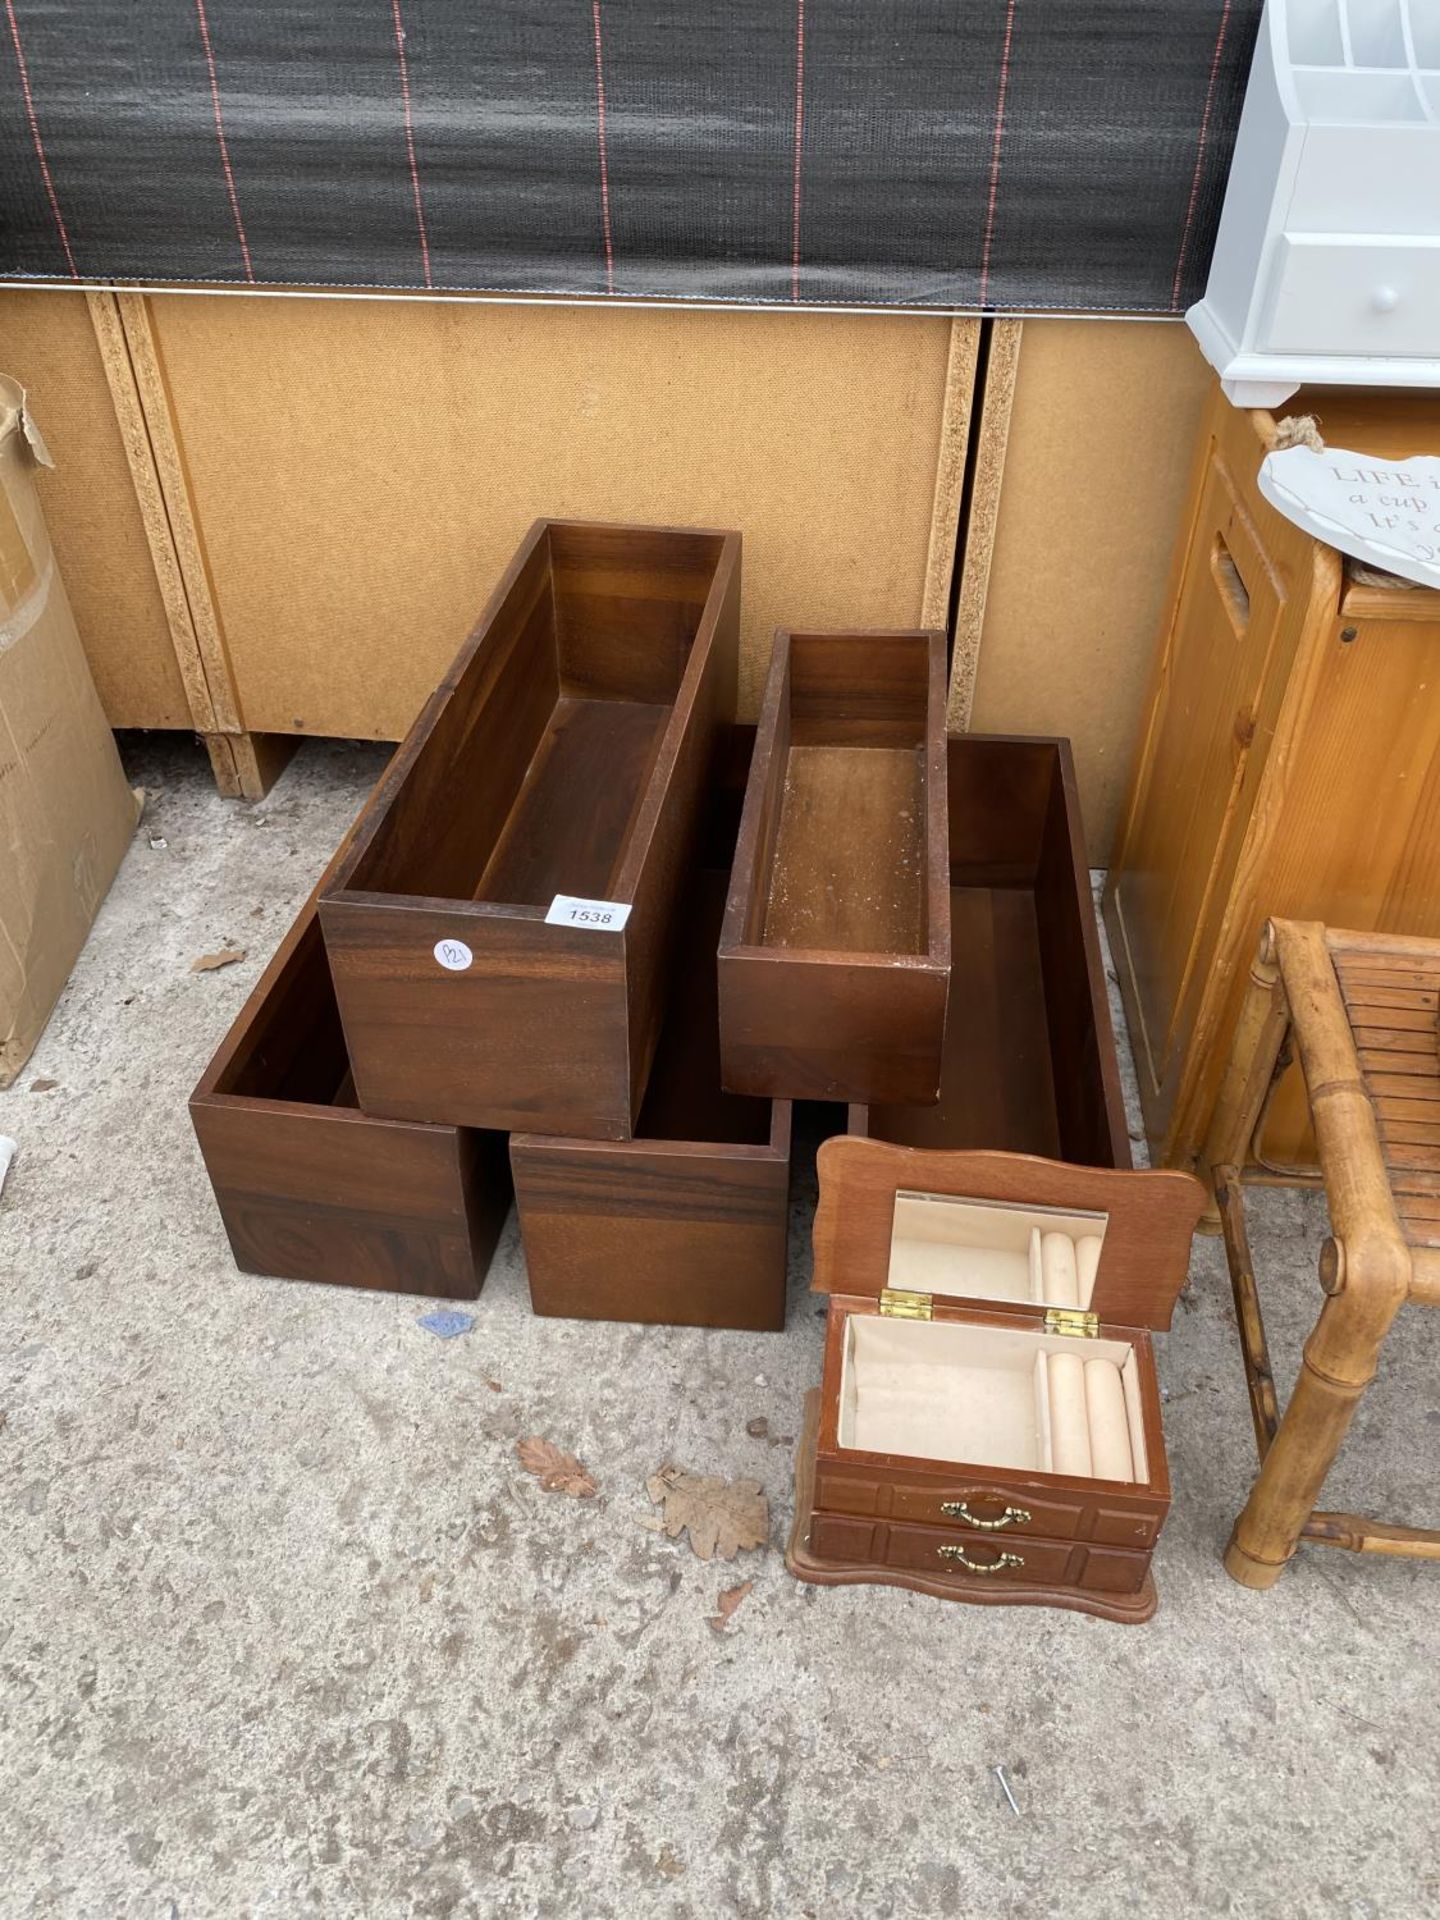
(996, 1081)
(1029, 1062)
(1291, 770)
(868, 1515)
(1150, 1217)
(308, 1187)
(850, 1481)
(565, 751)
(686, 1224)
(849, 868)
(827, 1549)
(552, 845)
(835, 949)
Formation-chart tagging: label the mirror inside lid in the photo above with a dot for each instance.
(968, 1249)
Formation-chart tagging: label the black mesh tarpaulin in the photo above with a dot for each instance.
(1011, 154)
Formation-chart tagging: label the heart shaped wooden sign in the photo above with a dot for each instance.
(1384, 512)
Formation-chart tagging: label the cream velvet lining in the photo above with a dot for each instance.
(991, 1396)
(979, 1250)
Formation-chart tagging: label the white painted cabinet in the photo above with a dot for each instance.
(1327, 262)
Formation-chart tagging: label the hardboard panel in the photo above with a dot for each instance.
(47, 343)
(362, 471)
(1101, 439)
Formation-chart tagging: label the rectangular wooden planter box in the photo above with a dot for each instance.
(309, 1187)
(687, 1223)
(564, 754)
(835, 952)
(1030, 1063)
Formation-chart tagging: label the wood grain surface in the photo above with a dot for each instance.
(1029, 1062)
(1149, 1217)
(829, 1549)
(835, 951)
(309, 1187)
(566, 751)
(685, 1224)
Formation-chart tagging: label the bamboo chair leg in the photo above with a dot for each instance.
(1255, 1051)
(1255, 1350)
(1365, 1270)
(1303, 1450)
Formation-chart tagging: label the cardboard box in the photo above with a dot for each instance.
(66, 813)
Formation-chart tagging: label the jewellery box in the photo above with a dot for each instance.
(988, 1424)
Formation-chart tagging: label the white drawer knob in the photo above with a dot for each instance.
(1385, 299)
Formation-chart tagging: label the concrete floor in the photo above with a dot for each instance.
(284, 1629)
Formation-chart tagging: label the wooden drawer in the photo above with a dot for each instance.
(988, 1508)
(835, 952)
(938, 1554)
(310, 1188)
(1354, 293)
(565, 753)
(1029, 1060)
(687, 1223)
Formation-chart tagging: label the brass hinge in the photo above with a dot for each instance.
(1072, 1320)
(897, 1304)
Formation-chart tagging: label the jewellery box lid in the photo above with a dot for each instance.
(872, 1192)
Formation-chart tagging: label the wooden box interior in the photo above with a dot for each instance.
(531, 779)
(1002, 1393)
(1029, 1062)
(311, 1188)
(980, 1395)
(293, 1049)
(841, 860)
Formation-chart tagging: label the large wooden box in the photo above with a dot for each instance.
(988, 1425)
(686, 1224)
(1029, 1063)
(310, 1188)
(835, 952)
(564, 754)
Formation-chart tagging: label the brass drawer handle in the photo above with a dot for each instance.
(1011, 1517)
(977, 1566)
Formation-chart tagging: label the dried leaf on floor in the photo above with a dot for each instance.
(727, 1602)
(556, 1470)
(723, 1517)
(43, 1086)
(668, 1861)
(212, 962)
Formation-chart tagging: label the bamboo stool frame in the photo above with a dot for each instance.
(1369, 1266)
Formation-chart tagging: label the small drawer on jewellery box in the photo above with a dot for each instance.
(931, 1550)
(984, 1509)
